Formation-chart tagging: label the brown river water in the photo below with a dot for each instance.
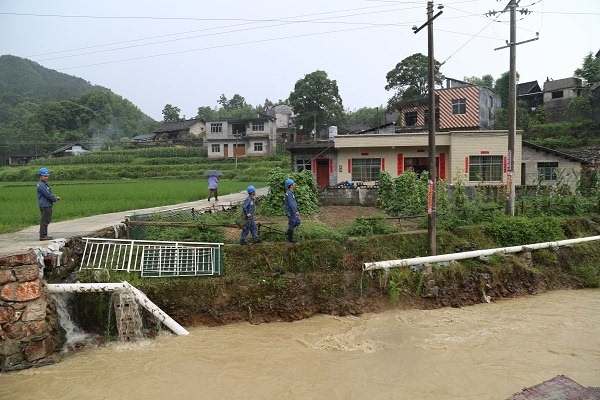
(487, 351)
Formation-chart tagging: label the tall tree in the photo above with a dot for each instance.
(207, 113)
(409, 78)
(486, 80)
(316, 100)
(171, 114)
(501, 88)
(590, 70)
(235, 103)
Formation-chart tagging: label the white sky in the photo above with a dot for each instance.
(265, 58)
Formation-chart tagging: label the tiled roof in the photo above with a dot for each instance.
(178, 125)
(528, 87)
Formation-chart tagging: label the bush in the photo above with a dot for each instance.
(515, 231)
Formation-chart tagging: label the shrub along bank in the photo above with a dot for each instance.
(285, 282)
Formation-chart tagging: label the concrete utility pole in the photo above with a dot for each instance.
(431, 203)
(512, 104)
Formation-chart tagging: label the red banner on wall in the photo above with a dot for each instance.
(349, 166)
(505, 164)
(314, 166)
(442, 173)
(383, 164)
(400, 163)
(331, 165)
(467, 165)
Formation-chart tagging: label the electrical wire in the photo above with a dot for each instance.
(316, 21)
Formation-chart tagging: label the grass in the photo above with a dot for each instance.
(87, 198)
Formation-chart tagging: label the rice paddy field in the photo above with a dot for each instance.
(19, 207)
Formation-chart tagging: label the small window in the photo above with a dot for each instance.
(410, 118)
(547, 171)
(216, 128)
(215, 148)
(258, 146)
(485, 168)
(366, 169)
(258, 127)
(459, 106)
(558, 94)
(302, 165)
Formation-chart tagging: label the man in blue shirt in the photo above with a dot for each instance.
(291, 210)
(248, 210)
(212, 187)
(45, 201)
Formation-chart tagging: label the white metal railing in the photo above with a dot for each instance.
(369, 266)
(153, 258)
(140, 297)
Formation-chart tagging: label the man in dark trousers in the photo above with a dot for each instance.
(45, 201)
(248, 210)
(291, 209)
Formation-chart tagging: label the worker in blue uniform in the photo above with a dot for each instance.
(291, 209)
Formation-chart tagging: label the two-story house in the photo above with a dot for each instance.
(558, 94)
(242, 137)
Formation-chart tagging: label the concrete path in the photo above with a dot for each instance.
(28, 238)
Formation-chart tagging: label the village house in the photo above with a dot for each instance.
(558, 94)
(21, 157)
(74, 149)
(544, 166)
(531, 93)
(241, 137)
(179, 130)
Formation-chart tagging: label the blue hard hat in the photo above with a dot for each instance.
(288, 182)
(44, 172)
(251, 189)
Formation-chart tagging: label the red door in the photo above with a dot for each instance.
(323, 172)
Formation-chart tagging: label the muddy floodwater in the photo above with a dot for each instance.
(487, 351)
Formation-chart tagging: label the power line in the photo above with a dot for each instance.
(202, 30)
(316, 21)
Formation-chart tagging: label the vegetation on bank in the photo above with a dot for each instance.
(283, 282)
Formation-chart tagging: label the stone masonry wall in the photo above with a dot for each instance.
(360, 196)
(29, 330)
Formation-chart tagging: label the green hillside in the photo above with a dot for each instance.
(42, 109)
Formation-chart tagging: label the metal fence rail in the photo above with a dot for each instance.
(153, 258)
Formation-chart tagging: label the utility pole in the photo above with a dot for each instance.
(315, 126)
(512, 104)
(431, 203)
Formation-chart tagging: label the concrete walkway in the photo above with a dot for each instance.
(28, 238)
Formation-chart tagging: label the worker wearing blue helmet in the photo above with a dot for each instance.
(248, 209)
(45, 201)
(291, 209)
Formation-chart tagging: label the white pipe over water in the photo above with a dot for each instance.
(471, 254)
(109, 287)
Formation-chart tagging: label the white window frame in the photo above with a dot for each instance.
(257, 145)
(366, 169)
(547, 172)
(216, 127)
(215, 148)
(486, 168)
(258, 126)
(459, 105)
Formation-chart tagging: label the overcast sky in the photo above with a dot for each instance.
(188, 52)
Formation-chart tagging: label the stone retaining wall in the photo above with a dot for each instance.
(338, 196)
(29, 330)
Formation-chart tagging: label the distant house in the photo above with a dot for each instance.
(180, 130)
(558, 94)
(74, 149)
(541, 165)
(243, 137)
(147, 137)
(21, 157)
(459, 106)
(531, 93)
(284, 120)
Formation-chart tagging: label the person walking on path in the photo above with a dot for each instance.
(248, 210)
(213, 183)
(45, 201)
(291, 209)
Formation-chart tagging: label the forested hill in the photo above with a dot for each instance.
(43, 109)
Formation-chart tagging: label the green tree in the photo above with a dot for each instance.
(501, 87)
(171, 113)
(374, 116)
(237, 102)
(580, 109)
(207, 113)
(316, 99)
(486, 80)
(409, 78)
(590, 70)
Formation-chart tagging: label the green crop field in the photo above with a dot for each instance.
(86, 198)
